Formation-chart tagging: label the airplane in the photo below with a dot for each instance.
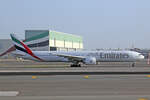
(75, 57)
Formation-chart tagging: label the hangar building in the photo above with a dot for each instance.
(52, 40)
(44, 40)
(5, 44)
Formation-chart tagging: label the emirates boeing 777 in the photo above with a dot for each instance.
(75, 57)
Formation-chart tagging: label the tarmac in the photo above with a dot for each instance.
(62, 87)
(12, 67)
(75, 71)
(107, 81)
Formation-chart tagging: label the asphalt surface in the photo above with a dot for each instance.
(13, 67)
(89, 87)
(72, 87)
(11, 63)
(76, 71)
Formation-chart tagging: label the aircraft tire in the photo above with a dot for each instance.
(133, 64)
(74, 65)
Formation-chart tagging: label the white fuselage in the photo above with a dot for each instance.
(101, 56)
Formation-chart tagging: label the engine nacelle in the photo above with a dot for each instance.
(90, 61)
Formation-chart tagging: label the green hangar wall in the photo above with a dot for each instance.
(37, 39)
(52, 40)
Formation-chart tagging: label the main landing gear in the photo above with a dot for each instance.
(133, 64)
(75, 65)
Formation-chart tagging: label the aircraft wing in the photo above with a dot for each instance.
(70, 57)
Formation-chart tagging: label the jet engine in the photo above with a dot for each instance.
(90, 61)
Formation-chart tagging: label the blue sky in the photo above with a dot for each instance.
(102, 23)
